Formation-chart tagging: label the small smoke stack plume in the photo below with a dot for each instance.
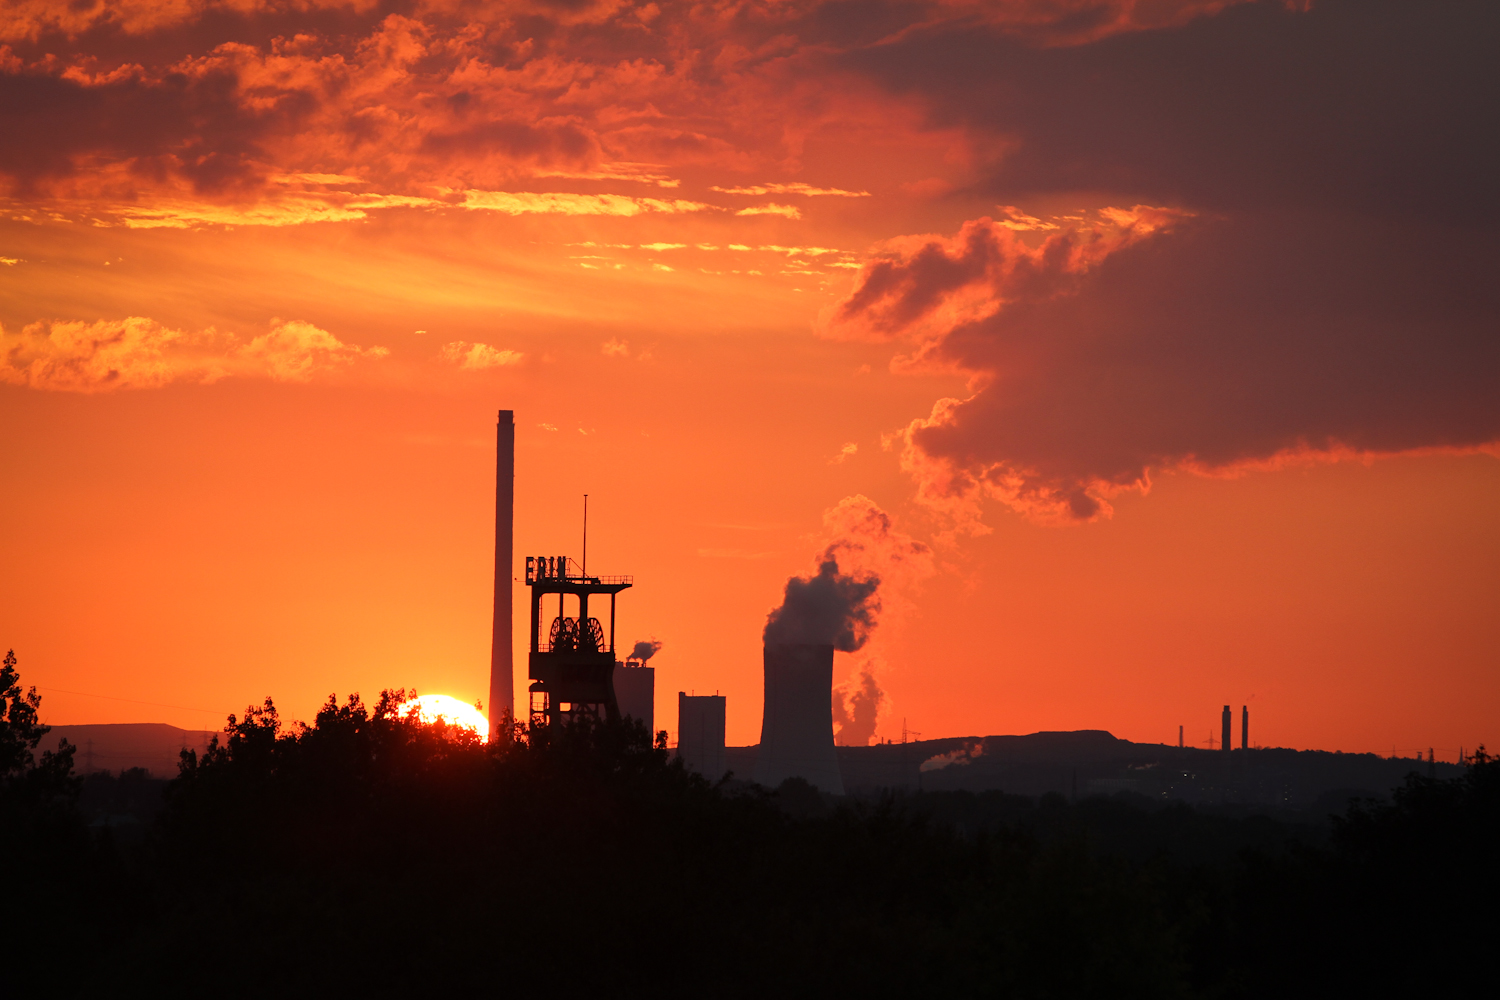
(827, 609)
(645, 649)
(856, 709)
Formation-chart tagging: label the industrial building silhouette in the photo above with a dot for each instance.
(700, 733)
(574, 670)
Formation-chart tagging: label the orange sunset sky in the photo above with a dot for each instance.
(1147, 351)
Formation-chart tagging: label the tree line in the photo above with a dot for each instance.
(369, 852)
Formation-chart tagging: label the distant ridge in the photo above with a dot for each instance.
(1090, 762)
(154, 746)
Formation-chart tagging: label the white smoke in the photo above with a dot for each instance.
(829, 608)
(856, 708)
(865, 570)
(962, 757)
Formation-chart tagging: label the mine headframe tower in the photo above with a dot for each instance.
(572, 666)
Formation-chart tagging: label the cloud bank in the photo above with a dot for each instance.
(140, 353)
(1323, 288)
(1203, 234)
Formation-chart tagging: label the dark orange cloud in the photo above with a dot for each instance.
(1331, 159)
(213, 100)
(1332, 295)
(1208, 345)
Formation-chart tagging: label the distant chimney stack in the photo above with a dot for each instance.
(502, 704)
(1244, 727)
(1224, 744)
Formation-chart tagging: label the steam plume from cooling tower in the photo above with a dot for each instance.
(856, 708)
(818, 614)
(827, 609)
(645, 649)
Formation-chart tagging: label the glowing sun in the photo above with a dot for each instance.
(431, 707)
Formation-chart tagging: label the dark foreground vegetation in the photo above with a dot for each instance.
(367, 854)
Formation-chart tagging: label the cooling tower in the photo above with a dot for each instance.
(502, 704)
(796, 729)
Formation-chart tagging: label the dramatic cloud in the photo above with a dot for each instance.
(1332, 294)
(192, 102)
(1219, 346)
(1204, 234)
(215, 98)
(139, 353)
(136, 102)
(930, 285)
(836, 22)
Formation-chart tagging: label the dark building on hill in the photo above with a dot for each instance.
(700, 733)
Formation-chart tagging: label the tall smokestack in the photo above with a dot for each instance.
(796, 730)
(1225, 745)
(502, 702)
(1244, 727)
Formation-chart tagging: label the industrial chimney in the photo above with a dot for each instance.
(502, 703)
(796, 730)
(1225, 744)
(1244, 727)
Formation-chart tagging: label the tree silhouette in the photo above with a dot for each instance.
(585, 854)
(21, 774)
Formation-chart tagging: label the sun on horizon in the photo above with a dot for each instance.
(432, 707)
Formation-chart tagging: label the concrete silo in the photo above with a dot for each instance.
(700, 734)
